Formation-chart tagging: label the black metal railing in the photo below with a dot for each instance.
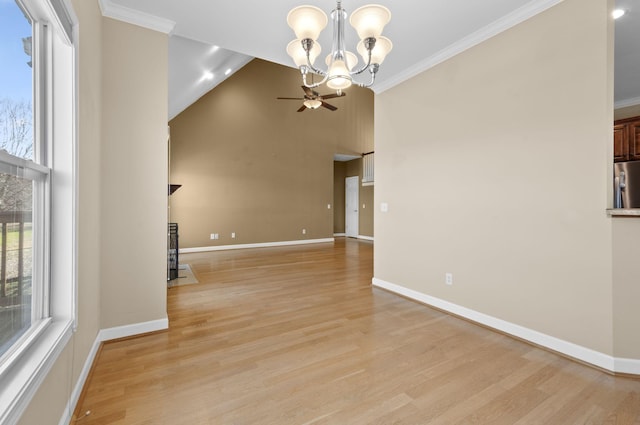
(172, 257)
(15, 255)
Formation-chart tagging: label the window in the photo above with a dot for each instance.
(17, 312)
(37, 186)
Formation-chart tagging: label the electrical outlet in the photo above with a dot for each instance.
(304, 231)
(363, 206)
(448, 278)
(328, 206)
(233, 235)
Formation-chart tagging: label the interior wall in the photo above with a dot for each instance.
(134, 168)
(365, 197)
(339, 174)
(627, 112)
(495, 166)
(342, 170)
(49, 402)
(251, 165)
(626, 291)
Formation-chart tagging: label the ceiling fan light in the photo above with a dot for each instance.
(312, 103)
(369, 20)
(307, 21)
(380, 51)
(299, 56)
(339, 77)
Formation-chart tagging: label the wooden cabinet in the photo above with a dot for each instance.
(626, 139)
(620, 142)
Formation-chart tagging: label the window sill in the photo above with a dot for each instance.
(19, 384)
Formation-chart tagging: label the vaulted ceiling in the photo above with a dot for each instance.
(212, 39)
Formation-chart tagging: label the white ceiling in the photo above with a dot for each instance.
(188, 62)
(424, 33)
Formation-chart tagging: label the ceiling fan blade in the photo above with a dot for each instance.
(302, 108)
(329, 107)
(332, 95)
(290, 98)
(309, 92)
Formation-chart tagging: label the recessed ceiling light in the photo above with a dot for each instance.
(208, 75)
(618, 13)
(227, 72)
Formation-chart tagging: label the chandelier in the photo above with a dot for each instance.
(308, 21)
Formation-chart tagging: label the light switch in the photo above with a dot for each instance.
(384, 207)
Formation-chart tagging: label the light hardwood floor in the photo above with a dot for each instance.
(297, 335)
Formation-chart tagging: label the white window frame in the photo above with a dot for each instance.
(55, 111)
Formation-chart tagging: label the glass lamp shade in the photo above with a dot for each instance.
(380, 51)
(312, 103)
(369, 20)
(352, 60)
(299, 56)
(307, 21)
(339, 78)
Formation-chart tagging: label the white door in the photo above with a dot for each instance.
(351, 207)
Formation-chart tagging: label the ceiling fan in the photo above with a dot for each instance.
(313, 100)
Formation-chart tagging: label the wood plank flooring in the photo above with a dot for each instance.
(297, 335)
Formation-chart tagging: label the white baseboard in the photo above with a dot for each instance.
(630, 366)
(106, 335)
(601, 360)
(82, 379)
(134, 329)
(253, 245)
(365, 238)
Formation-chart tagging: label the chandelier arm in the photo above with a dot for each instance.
(364, 68)
(370, 43)
(373, 71)
(314, 85)
(304, 71)
(314, 69)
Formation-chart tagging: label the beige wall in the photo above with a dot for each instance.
(122, 169)
(339, 174)
(252, 165)
(627, 112)
(626, 290)
(495, 165)
(134, 167)
(365, 194)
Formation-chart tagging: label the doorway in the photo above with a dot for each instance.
(351, 224)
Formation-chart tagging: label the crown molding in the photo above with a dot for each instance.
(508, 21)
(125, 14)
(627, 102)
